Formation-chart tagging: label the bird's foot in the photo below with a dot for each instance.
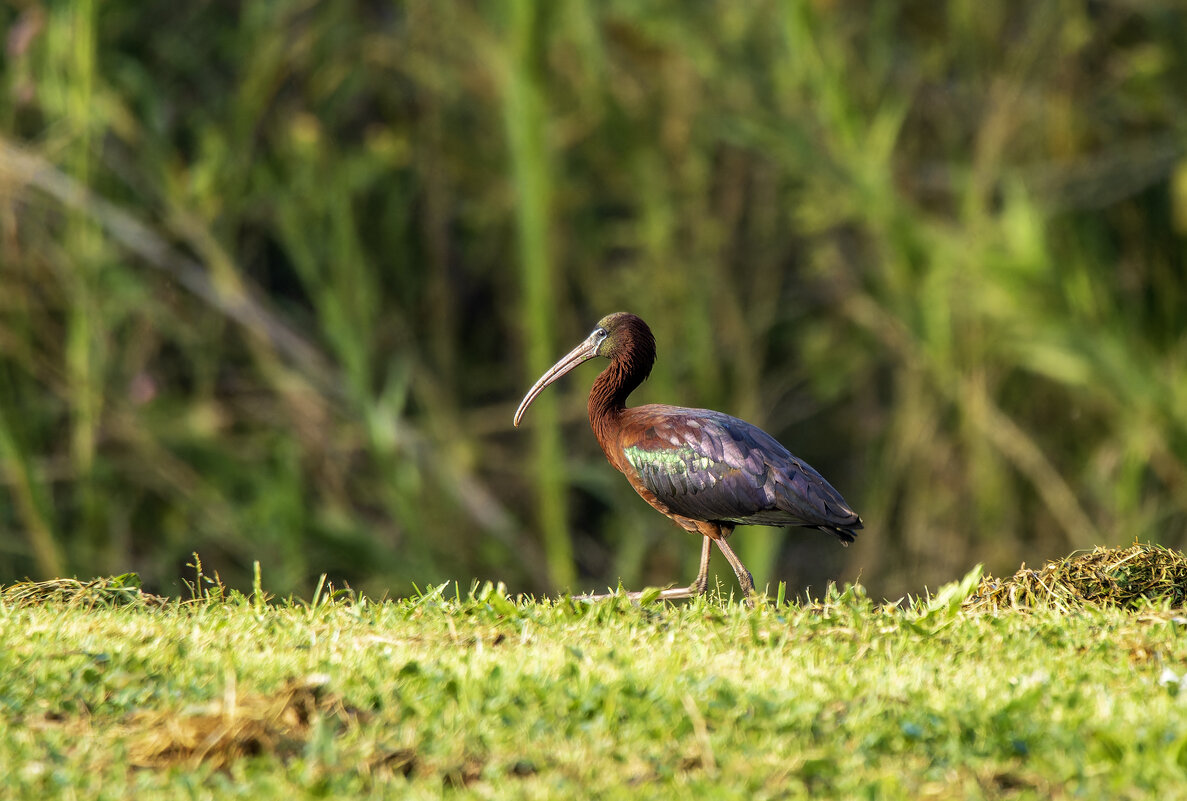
(671, 594)
(748, 592)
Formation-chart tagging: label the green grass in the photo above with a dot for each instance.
(108, 695)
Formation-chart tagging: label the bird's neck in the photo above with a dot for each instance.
(607, 398)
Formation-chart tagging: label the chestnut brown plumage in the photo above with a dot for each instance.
(705, 470)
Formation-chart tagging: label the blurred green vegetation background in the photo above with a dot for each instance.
(274, 276)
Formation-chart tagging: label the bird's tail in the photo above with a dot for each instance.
(845, 535)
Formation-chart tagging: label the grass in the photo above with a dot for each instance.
(110, 693)
(1122, 577)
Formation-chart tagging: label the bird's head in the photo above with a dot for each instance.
(621, 337)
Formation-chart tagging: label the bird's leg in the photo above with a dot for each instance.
(744, 577)
(702, 582)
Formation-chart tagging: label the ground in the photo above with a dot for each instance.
(108, 693)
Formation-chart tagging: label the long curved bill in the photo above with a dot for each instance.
(578, 355)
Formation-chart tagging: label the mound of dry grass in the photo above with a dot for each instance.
(1125, 578)
(106, 591)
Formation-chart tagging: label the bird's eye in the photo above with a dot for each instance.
(600, 332)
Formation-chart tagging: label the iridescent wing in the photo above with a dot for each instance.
(710, 466)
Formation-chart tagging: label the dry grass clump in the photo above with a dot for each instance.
(237, 725)
(106, 591)
(1125, 578)
(234, 726)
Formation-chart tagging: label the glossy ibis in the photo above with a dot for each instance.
(705, 470)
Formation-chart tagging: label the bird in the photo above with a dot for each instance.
(705, 470)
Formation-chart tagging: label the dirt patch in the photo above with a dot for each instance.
(235, 726)
(1125, 578)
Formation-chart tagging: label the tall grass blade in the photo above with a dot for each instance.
(525, 120)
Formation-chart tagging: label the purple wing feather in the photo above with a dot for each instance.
(710, 466)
